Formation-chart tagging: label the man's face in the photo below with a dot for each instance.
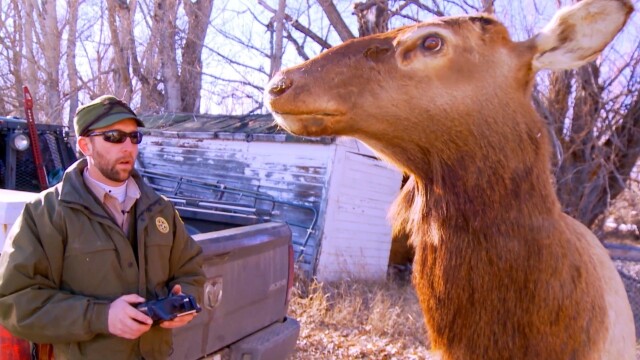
(110, 163)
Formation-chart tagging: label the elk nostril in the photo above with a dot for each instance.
(280, 87)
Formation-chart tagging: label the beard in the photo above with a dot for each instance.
(111, 171)
(119, 169)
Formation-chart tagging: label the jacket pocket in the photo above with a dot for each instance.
(87, 247)
(92, 267)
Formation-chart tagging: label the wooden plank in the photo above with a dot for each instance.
(253, 167)
(356, 183)
(249, 152)
(290, 173)
(378, 200)
(349, 210)
(338, 266)
(367, 165)
(358, 235)
(350, 263)
(237, 173)
(355, 218)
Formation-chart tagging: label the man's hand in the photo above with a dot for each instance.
(125, 320)
(180, 320)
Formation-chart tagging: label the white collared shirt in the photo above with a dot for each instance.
(109, 195)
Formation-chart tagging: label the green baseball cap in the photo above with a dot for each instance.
(103, 111)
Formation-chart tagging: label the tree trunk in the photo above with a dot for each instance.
(276, 53)
(32, 71)
(151, 98)
(198, 14)
(373, 17)
(583, 163)
(298, 26)
(596, 149)
(165, 12)
(17, 48)
(50, 46)
(487, 6)
(116, 10)
(72, 70)
(336, 19)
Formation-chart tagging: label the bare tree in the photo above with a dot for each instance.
(30, 52)
(167, 82)
(295, 24)
(164, 16)
(145, 64)
(276, 53)
(198, 14)
(336, 19)
(373, 16)
(595, 122)
(49, 43)
(72, 69)
(119, 12)
(487, 6)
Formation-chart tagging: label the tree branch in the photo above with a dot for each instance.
(420, 5)
(232, 81)
(296, 44)
(336, 19)
(301, 28)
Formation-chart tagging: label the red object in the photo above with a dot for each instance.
(44, 352)
(13, 348)
(291, 274)
(33, 136)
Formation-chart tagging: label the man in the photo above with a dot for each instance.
(81, 256)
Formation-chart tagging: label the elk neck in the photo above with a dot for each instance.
(489, 181)
(489, 234)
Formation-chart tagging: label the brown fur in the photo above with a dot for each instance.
(500, 272)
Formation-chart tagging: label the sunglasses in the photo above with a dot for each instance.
(119, 136)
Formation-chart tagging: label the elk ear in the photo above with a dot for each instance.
(577, 34)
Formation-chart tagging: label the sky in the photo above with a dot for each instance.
(238, 17)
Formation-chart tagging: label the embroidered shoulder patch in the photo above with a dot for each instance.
(162, 225)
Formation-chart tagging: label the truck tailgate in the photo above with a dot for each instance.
(246, 288)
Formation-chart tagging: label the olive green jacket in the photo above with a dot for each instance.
(66, 260)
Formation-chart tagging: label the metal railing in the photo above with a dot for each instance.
(222, 199)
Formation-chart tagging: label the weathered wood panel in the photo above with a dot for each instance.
(357, 234)
(290, 178)
(337, 193)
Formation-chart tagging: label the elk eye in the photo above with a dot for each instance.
(432, 43)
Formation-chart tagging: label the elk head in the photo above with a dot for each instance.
(442, 83)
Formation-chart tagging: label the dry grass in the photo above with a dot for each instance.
(622, 219)
(383, 320)
(358, 320)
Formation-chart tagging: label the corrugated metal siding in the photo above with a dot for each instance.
(294, 174)
(357, 235)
